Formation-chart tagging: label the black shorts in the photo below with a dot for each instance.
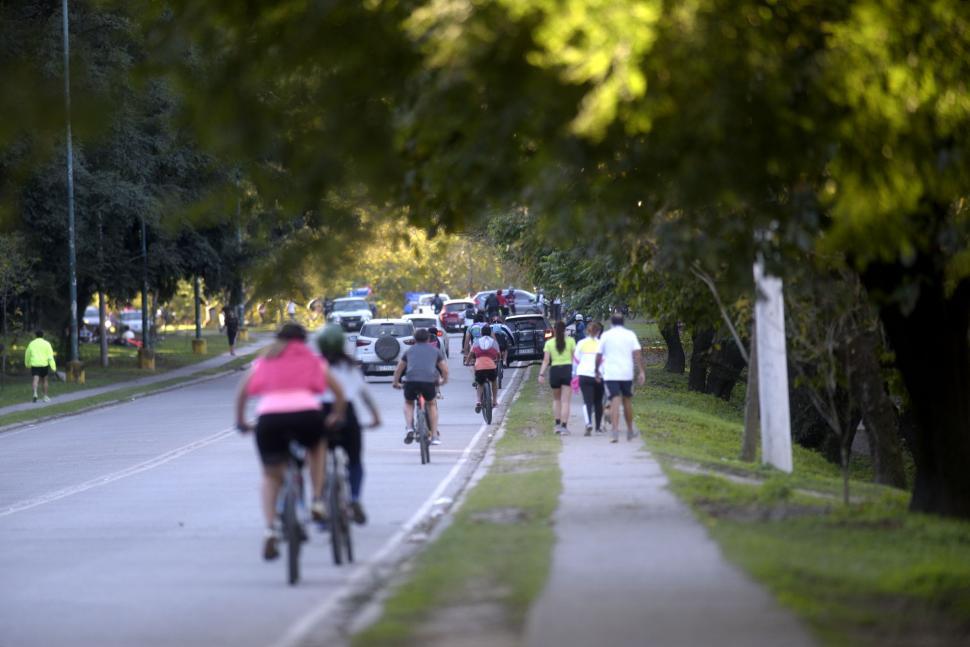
(274, 431)
(617, 388)
(40, 371)
(560, 376)
(346, 434)
(486, 375)
(412, 389)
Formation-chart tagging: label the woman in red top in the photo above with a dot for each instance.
(485, 352)
(288, 380)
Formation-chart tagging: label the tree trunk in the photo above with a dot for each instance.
(752, 410)
(700, 359)
(726, 366)
(102, 330)
(676, 360)
(933, 357)
(878, 414)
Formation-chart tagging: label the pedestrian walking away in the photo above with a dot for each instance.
(288, 379)
(619, 352)
(291, 310)
(424, 368)
(579, 329)
(557, 308)
(584, 361)
(347, 434)
(557, 355)
(231, 326)
(39, 358)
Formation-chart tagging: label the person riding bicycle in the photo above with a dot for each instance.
(288, 378)
(504, 336)
(485, 354)
(347, 434)
(473, 332)
(491, 304)
(424, 367)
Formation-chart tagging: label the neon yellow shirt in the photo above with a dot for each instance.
(40, 353)
(565, 357)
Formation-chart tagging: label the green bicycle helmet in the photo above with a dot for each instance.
(330, 341)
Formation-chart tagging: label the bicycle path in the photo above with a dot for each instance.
(633, 567)
(259, 341)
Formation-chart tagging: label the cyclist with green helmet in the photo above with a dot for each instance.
(347, 434)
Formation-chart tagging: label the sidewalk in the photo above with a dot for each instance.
(632, 567)
(258, 342)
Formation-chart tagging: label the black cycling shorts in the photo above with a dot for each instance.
(488, 374)
(428, 389)
(40, 371)
(274, 431)
(560, 376)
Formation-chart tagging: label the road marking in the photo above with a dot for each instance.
(298, 631)
(159, 460)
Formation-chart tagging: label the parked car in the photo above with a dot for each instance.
(381, 343)
(453, 315)
(525, 302)
(429, 321)
(132, 319)
(91, 319)
(531, 332)
(351, 313)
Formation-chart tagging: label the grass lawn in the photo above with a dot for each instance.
(173, 351)
(871, 573)
(486, 568)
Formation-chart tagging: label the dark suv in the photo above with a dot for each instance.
(531, 332)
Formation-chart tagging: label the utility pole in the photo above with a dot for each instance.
(71, 248)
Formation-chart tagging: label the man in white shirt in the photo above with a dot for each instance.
(619, 352)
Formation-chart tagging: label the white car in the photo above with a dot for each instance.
(428, 321)
(132, 319)
(424, 302)
(381, 343)
(350, 312)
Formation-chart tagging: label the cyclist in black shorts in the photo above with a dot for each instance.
(424, 368)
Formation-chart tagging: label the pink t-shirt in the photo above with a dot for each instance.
(291, 381)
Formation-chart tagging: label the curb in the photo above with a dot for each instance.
(363, 596)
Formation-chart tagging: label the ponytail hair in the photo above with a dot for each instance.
(560, 336)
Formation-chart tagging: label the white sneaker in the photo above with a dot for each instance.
(47, 399)
(436, 441)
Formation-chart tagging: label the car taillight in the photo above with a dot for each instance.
(440, 333)
(547, 334)
(362, 342)
(409, 342)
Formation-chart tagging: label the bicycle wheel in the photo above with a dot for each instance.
(293, 534)
(421, 427)
(487, 402)
(347, 537)
(501, 373)
(336, 512)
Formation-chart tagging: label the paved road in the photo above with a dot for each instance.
(139, 523)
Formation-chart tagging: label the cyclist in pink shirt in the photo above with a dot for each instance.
(288, 380)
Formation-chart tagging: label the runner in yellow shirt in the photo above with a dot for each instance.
(39, 358)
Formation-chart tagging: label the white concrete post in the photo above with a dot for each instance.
(772, 370)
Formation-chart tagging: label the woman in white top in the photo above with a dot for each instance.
(584, 366)
(347, 373)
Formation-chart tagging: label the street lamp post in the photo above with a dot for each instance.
(71, 248)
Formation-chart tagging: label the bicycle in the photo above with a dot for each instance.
(291, 508)
(337, 490)
(499, 365)
(422, 429)
(487, 402)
